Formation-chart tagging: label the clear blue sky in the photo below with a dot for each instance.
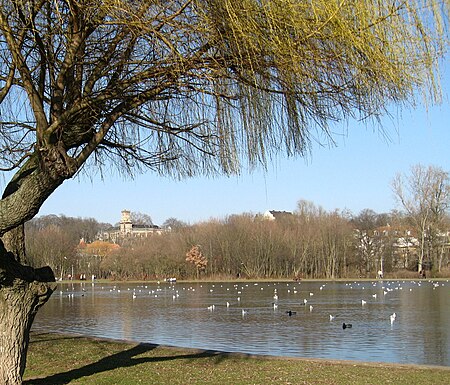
(354, 175)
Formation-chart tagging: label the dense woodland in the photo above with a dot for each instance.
(310, 242)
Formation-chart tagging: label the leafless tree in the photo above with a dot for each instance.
(425, 196)
(141, 219)
(174, 223)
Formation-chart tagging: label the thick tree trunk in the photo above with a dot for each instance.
(23, 290)
(14, 241)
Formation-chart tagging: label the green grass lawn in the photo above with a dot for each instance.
(67, 359)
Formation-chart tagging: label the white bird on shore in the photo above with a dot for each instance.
(363, 302)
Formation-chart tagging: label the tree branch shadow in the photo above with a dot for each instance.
(123, 359)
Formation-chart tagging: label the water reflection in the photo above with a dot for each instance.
(197, 315)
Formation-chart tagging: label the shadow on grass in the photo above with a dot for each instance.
(123, 359)
(47, 337)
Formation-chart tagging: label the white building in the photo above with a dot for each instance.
(128, 230)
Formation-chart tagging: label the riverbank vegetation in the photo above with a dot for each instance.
(62, 359)
(309, 242)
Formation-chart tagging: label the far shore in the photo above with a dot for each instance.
(243, 280)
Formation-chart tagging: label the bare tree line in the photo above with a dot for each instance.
(309, 243)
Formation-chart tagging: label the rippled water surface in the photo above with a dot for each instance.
(197, 315)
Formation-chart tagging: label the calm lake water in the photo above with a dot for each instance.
(198, 316)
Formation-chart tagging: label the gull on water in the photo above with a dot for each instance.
(392, 318)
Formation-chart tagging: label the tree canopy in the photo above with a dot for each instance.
(183, 87)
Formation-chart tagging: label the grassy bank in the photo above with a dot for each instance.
(63, 359)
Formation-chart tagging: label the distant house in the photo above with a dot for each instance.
(272, 215)
(129, 230)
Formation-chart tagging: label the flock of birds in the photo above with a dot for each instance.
(304, 302)
(303, 318)
(383, 289)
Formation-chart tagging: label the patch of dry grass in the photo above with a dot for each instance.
(65, 359)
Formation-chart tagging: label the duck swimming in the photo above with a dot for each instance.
(290, 312)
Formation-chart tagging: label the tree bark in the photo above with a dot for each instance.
(32, 185)
(23, 290)
(14, 241)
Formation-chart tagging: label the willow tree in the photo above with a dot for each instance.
(182, 88)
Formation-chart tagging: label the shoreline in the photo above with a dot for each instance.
(250, 355)
(272, 357)
(242, 280)
(57, 359)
